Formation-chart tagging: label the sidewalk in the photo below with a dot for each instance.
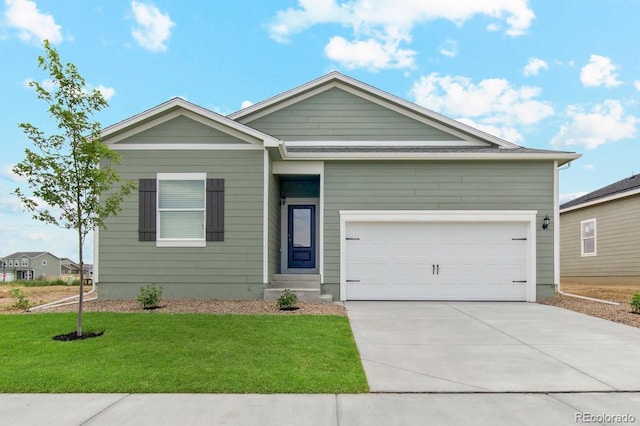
(326, 409)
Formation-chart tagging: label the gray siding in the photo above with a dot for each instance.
(223, 269)
(464, 185)
(338, 115)
(617, 236)
(182, 130)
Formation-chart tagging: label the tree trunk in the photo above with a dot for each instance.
(80, 299)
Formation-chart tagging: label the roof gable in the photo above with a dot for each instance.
(622, 188)
(149, 129)
(183, 129)
(339, 115)
(301, 96)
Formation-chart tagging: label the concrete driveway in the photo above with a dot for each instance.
(492, 347)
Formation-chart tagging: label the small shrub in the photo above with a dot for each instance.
(287, 299)
(635, 303)
(21, 301)
(149, 296)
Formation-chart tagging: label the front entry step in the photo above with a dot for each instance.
(306, 287)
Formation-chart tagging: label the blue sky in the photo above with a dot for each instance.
(545, 74)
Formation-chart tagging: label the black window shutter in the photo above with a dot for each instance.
(147, 210)
(215, 210)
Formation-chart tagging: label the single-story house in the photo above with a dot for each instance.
(31, 265)
(600, 235)
(335, 187)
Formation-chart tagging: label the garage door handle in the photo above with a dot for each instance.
(518, 282)
(435, 269)
(353, 281)
(353, 239)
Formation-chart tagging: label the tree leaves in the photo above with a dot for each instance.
(70, 172)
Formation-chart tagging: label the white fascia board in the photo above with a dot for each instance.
(163, 112)
(297, 168)
(601, 200)
(439, 215)
(408, 144)
(185, 147)
(561, 157)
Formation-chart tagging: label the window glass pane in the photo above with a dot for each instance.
(588, 230)
(181, 224)
(302, 228)
(181, 194)
(589, 245)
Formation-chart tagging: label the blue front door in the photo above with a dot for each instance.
(301, 251)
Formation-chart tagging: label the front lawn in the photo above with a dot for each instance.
(168, 353)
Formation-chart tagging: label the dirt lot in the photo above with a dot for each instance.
(38, 295)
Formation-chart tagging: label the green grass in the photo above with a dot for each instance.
(153, 352)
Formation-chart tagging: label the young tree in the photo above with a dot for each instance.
(70, 172)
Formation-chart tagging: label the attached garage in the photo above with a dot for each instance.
(438, 255)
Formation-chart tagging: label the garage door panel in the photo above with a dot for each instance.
(436, 261)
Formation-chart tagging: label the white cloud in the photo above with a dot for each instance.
(495, 105)
(372, 54)
(34, 26)
(153, 27)
(604, 123)
(600, 71)
(534, 66)
(6, 172)
(636, 84)
(246, 104)
(381, 28)
(107, 92)
(564, 198)
(505, 132)
(589, 167)
(51, 85)
(449, 49)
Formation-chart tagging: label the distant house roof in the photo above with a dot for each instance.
(622, 188)
(29, 254)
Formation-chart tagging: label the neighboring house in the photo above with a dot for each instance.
(334, 185)
(69, 267)
(600, 235)
(32, 265)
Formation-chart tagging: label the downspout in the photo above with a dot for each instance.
(557, 244)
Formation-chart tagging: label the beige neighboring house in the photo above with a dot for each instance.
(600, 235)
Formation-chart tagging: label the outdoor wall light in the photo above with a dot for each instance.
(283, 199)
(545, 222)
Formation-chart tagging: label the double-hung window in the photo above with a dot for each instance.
(588, 237)
(25, 262)
(181, 209)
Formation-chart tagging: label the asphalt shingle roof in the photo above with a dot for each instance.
(619, 187)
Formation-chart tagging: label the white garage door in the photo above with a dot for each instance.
(436, 261)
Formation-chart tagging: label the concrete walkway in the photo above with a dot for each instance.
(302, 410)
(492, 347)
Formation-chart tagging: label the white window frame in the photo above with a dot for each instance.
(583, 238)
(25, 262)
(181, 242)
